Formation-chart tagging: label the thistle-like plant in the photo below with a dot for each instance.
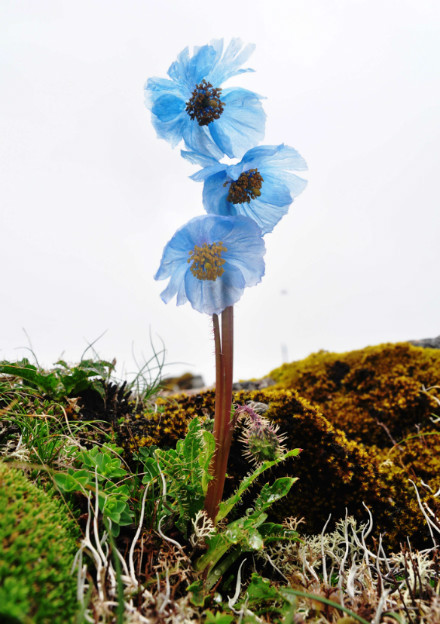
(260, 436)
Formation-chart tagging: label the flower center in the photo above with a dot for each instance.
(206, 261)
(204, 104)
(247, 187)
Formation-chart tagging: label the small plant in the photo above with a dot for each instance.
(62, 381)
(100, 471)
(185, 470)
(185, 473)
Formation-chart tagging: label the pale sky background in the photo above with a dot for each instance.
(89, 195)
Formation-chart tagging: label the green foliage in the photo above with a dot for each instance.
(99, 471)
(185, 470)
(37, 546)
(39, 435)
(282, 601)
(267, 496)
(218, 618)
(250, 532)
(62, 381)
(39, 428)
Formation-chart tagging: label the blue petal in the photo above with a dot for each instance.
(245, 250)
(227, 66)
(156, 87)
(176, 250)
(241, 125)
(273, 191)
(171, 131)
(210, 165)
(159, 95)
(264, 214)
(212, 297)
(244, 265)
(198, 139)
(177, 70)
(167, 107)
(270, 207)
(281, 156)
(295, 184)
(199, 159)
(176, 285)
(191, 71)
(215, 195)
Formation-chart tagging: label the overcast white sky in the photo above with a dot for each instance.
(89, 196)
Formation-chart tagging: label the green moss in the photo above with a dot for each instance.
(374, 394)
(37, 548)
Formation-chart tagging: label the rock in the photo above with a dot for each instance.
(253, 384)
(185, 382)
(428, 343)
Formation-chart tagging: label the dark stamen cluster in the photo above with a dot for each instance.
(247, 187)
(204, 104)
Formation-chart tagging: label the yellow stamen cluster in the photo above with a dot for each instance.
(207, 261)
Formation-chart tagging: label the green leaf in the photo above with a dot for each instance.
(218, 618)
(253, 540)
(84, 477)
(218, 545)
(192, 442)
(226, 506)
(66, 482)
(260, 590)
(272, 532)
(151, 470)
(205, 456)
(113, 506)
(271, 493)
(197, 593)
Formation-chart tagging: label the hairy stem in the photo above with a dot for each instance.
(223, 426)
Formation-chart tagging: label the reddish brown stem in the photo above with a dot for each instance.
(223, 403)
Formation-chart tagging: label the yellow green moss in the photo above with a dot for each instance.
(374, 395)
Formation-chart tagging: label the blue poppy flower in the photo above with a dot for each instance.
(261, 186)
(210, 261)
(192, 105)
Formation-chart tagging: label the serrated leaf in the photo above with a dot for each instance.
(253, 540)
(208, 449)
(197, 593)
(226, 506)
(272, 532)
(271, 493)
(260, 590)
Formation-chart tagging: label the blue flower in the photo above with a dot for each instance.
(210, 261)
(261, 186)
(192, 106)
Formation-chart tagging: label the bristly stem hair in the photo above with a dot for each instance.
(223, 424)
